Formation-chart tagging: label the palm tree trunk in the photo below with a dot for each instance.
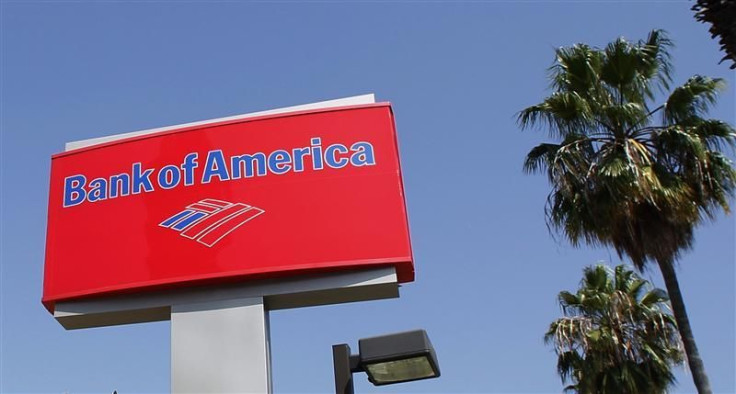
(700, 378)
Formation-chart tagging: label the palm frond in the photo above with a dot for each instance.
(576, 69)
(717, 184)
(562, 113)
(657, 61)
(655, 296)
(716, 134)
(688, 103)
(540, 157)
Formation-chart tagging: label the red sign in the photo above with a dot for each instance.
(272, 196)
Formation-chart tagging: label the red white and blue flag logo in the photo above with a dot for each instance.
(209, 220)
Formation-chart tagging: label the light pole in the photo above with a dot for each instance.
(386, 359)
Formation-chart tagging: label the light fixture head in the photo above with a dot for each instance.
(397, 358)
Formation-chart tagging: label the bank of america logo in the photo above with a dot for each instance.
(209, 220)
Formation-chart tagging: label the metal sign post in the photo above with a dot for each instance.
(220, 347)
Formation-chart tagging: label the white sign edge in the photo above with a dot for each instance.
(341, 102)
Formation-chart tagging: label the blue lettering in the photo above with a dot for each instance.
(299, 154)
(331, 156)
(141, 180)
(362, 154)
(190, 163)
(215, 166)
(169, 177)
(98, 190)
(74, 193)
(119, 185)
(279, 162)
(316, 154)
(247, 161)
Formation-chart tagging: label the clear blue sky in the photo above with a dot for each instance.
(456, 73)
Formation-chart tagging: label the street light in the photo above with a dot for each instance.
(386, 359)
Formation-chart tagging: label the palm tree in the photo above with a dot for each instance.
(721, 15)
(615, 336)
(626, 173)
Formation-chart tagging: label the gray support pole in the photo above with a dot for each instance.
(343, 370)
(220, 347)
